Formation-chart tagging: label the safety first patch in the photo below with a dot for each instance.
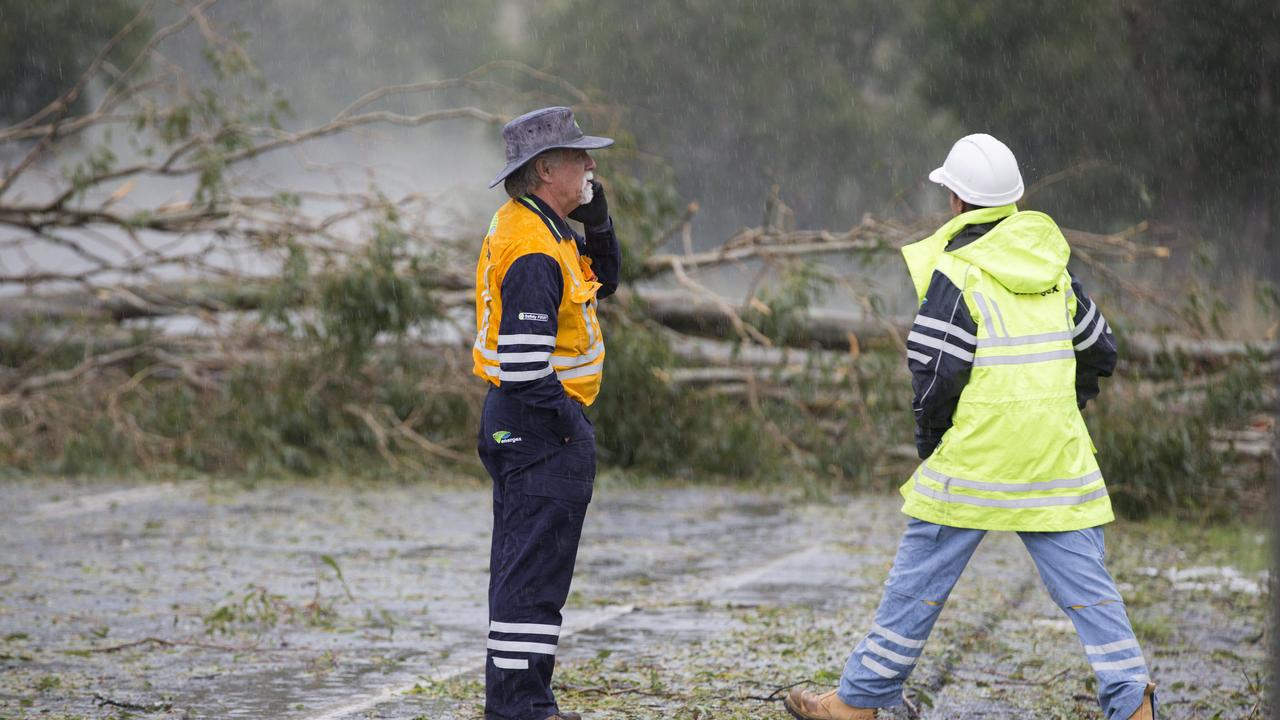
(536, 317)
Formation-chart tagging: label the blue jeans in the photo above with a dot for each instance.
(929, 561)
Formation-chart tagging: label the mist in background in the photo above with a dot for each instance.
(1125, 111)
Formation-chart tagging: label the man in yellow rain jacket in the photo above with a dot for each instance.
(1004, 353)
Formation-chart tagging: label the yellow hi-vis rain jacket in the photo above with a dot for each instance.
(993, 353)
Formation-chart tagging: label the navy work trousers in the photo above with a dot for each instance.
(541, 488)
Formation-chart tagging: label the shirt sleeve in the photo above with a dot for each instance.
(1095, 345)
(531, 292)
(940, 351)
(606, 259)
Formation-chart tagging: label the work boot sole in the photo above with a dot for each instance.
(792, 710)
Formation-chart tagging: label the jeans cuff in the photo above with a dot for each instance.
(871, 701)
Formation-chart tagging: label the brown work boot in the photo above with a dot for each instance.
(1147, 710)
(806, 705)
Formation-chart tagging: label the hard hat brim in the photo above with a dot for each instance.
(943, 178)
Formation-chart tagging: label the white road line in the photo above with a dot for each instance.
(576, 623)
(733, 582)
(104, 501)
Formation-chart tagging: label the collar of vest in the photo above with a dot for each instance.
(922, 256)
(558, 226)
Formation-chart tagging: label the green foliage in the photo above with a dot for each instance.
(372, 296)
(785, 302)
(259, 610)
(1157, 451)
(646, 422)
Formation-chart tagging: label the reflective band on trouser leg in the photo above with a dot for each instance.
(1072, 567)
(541, 493)
(928, 563)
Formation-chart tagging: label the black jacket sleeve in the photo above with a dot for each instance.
(531, 293)
(1095, 345)
(601, 246)
(940, 351)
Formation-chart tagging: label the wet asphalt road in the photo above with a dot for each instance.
(323, 602)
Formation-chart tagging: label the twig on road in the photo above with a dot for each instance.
(103, 701)
(167, 643)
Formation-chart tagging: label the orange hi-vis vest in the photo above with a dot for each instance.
(577, 360)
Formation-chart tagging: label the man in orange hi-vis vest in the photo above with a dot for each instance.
(539, 345)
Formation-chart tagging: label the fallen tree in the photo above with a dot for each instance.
(246, 330)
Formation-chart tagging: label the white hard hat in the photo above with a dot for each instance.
(981, 170)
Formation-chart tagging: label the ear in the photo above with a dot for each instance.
(542, 168)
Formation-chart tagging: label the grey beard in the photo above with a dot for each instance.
(587, 192)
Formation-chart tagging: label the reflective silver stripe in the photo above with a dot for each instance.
(1025, 339)
(1084, 321)
(483, 332)
(525, 628)
(999, 316)
(877, 668)
(586, 319)
(946, 327)
(1077, 482)
(509, 646)
(1120, 664)
(579, 371)
(572, 360)
(940, 344)
(894, 637)
(1024, 359)
(986, 314)
(487, 354)
(511, 663)
(919, 357)
(1011, 502)
(1110, 647)
(525, 339)
(524, 357)
(523, 375)
(1140, 678)
(888, 654)
(1097, 333)
(490, 370)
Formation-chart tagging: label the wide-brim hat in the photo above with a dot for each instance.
(542, 130)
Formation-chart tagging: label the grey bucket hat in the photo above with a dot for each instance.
(541, 130)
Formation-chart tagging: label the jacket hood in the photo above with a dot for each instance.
(922, 256)
(1026, 252)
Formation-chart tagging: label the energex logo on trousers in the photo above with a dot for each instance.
(502, 437)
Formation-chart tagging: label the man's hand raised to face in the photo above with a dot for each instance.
(596, 212)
